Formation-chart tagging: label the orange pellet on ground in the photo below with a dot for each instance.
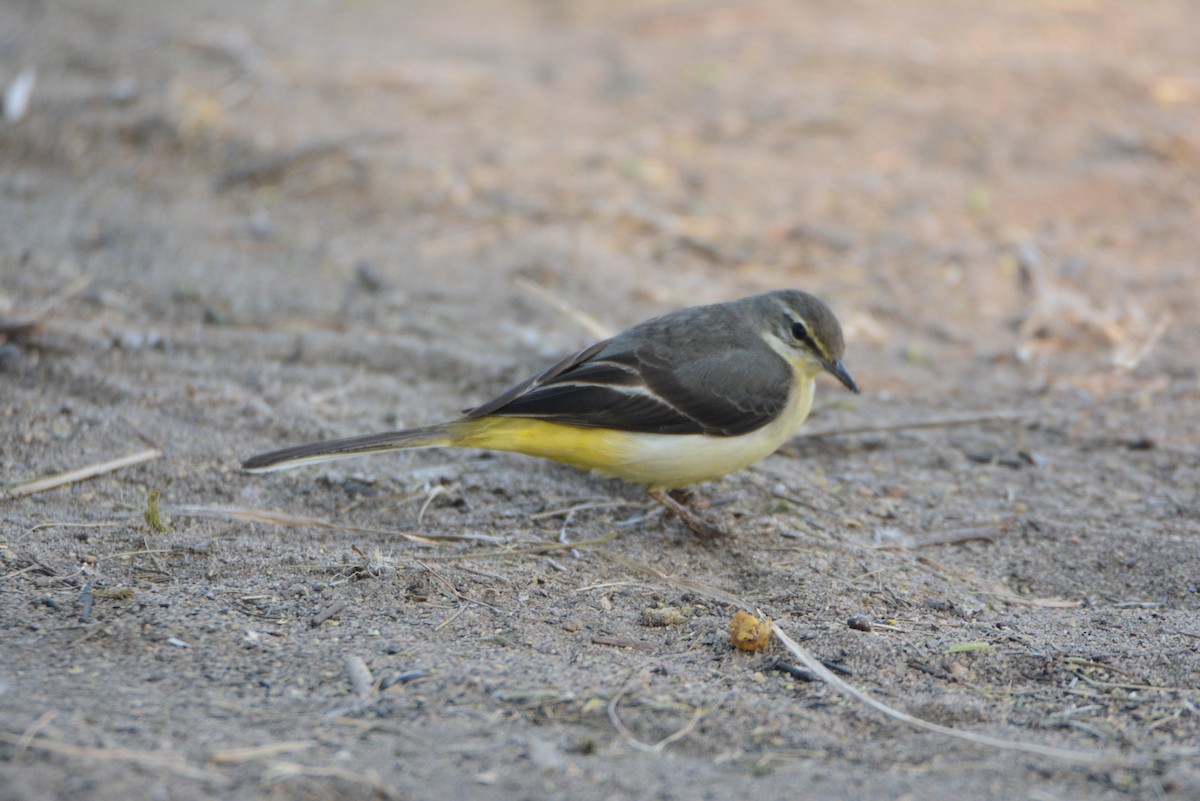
(748, 633)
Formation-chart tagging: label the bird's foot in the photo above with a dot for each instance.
(689, 497)
(697, 524)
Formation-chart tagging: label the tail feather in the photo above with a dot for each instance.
(317, 452)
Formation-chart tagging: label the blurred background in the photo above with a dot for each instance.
(969, 185)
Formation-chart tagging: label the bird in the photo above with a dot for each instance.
(674, 401)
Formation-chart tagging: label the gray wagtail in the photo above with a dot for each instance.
(673, 401)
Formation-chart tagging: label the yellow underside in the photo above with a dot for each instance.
(593, 448)
(657, 460)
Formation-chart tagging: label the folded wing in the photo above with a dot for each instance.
(721, 393)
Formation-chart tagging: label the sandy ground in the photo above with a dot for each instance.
(246, 225)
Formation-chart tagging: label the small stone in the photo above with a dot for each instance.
(10, 354)
(663, 616)
(260, 226)
(860, 623)
(123, 91)
(368, 277)
(546, 755)
(584, 744)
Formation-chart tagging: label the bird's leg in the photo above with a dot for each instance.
(692, 520)
(689, 497)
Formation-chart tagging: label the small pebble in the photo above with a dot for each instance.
(545, 755)
(402, 678)
(123, 91)
(260, 226)
(368, 277)
(662, 616)
(860, 623)
(15, 101)
(10, 354)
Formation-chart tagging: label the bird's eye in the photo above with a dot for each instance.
(801, 333)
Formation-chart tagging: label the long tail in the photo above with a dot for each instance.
(316, 452)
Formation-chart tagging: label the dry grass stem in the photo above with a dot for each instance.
(704, 589)
(142, 552)
(81, 474)
(166, 760)
(619, 642)
(823, 673)
(584, 320)
(440, 489)
(234, 756)
(570, 510)
(278, 771)
(363, 500)
(1045, 603)
(451, 589)
(299, 521)
(1065, 754)
(57, 524)
(1129, 355)
(59, 298)
(604, 585)
(937, 422)
(457, 612)
(274, 166)
(633, 741)
(529, 550)
(27, 737)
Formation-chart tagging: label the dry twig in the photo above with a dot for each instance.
(273, 166)
(32, 322)
(655, 748)
(581, 507)
(532, 549)
(329, 612)
(167, 760)
(824, 674)
(31, 732)
(818, 669)
(450, 588)
(937, 422)
(290, 521)
(81, 474)
(584, 320)
(368, 778)
(234, 756)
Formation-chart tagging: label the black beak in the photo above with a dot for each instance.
(838, 371)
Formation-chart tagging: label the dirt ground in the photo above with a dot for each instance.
(244, 225)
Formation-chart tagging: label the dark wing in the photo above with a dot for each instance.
(636, 388)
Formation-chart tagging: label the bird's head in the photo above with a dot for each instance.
(807, 332)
